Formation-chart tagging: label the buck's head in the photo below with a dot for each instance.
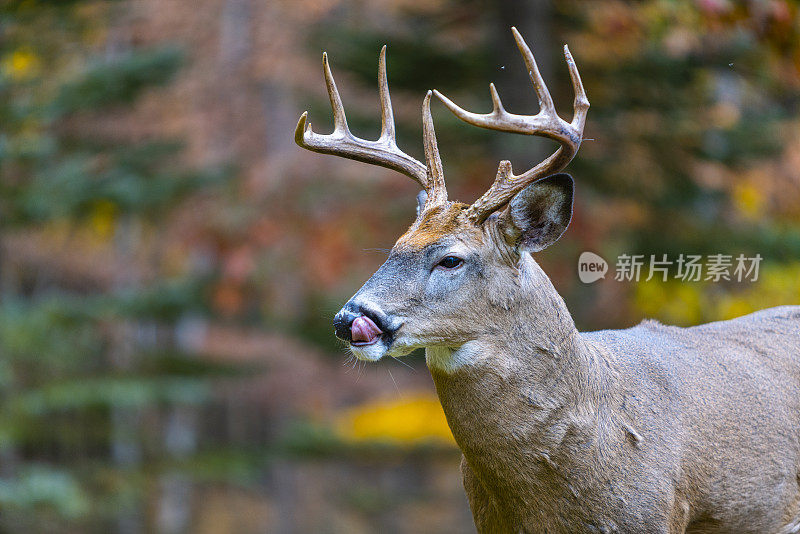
(455, 273)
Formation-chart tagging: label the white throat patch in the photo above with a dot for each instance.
(448, 359)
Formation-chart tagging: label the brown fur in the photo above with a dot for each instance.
(435, 223)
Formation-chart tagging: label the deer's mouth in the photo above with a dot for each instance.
(369, 331)
(371, 338)
(364, 332)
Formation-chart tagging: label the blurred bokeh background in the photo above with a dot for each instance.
(170, 261)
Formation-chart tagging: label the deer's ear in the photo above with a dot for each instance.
(422, 198)
(540, 213)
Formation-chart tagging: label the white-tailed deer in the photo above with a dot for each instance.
(653, 429)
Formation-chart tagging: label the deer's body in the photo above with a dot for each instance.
(654, 429)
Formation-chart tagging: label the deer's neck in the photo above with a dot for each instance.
(525, 405)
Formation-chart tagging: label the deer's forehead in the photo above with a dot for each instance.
(437, 224)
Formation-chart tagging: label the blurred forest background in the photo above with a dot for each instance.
(170, 261)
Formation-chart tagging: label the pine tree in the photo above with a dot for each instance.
(83, 362)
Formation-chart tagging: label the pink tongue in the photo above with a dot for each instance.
(364, 330)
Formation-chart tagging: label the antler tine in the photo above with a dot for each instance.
(546, 123)
(581, 103)
(341, 142)
(437, 192)
(339, 118)
(387, 115)
(543, 94)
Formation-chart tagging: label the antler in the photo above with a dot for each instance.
(546, 123)
(384, 150)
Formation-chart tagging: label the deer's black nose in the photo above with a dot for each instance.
(342, 323)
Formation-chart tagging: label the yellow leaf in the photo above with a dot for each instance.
(749, 200)
(411, 420)
(21, 64)
(103, 219)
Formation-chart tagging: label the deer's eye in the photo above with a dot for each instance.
(450, 262)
